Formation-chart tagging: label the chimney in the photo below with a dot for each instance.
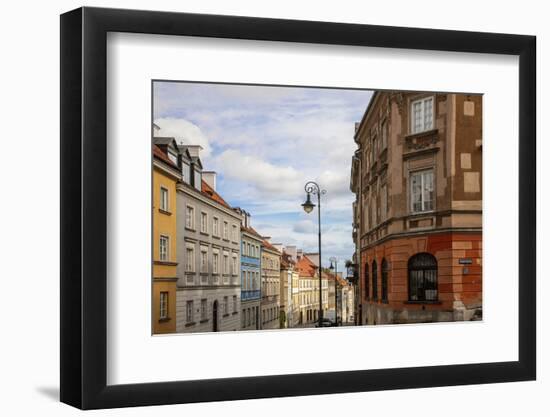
(210, 178)
(291, 251)
(194, 150)
(278, 246)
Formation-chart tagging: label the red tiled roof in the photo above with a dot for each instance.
(306, 267)
(157, 153)
(270, 246)
(209, 191)
(251, 230)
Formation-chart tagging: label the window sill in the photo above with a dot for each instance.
(165, 263)
(164, 320)
(226, 315)
(191, 323)
(235, 312)
(204, 233)
(190, 229)
(168, 213)
(204, 321)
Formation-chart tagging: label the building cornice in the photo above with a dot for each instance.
(194, 193)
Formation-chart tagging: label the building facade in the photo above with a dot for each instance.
(271, 277)
(208, 229)
(165, 177)
(417, 176)
(289, 278)
(309, 291)
(251, 243)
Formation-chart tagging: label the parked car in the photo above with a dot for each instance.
(325, 323)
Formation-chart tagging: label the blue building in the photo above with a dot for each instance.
(251, 243)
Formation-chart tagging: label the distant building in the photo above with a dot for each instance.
(165, 177)
(289, 279)
(208, 230)
(417, 176)
(271, 277)
(309, 291)
(251, 243)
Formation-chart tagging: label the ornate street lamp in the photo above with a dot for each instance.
(312, 187)
(334, 267)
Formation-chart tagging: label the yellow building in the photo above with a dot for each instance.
(165, 176)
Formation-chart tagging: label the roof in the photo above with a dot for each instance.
(163, 140)
(306, 267)
(286, 261)
(269, 246)
(251, 231)
(157, 153)
(213, 195)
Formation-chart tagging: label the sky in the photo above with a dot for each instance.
(265, 143)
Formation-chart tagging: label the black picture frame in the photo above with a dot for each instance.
(84, 207)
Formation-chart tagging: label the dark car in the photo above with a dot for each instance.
(325, 323)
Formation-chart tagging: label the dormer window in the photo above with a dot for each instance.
(198, 179)
(173, 157)
(186, 172)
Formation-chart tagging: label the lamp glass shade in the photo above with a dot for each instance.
(308, 205)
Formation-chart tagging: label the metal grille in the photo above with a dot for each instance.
(423, 277)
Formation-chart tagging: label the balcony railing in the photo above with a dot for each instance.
(250, 295)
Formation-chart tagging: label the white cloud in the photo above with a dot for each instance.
(304, 226)
(184, 132)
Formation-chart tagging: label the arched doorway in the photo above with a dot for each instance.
(215, 316)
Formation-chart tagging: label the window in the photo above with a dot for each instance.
(234, 265)
(374, 280)
(225, 305)
(384, 136)
(383, 202)
(384, 280)
(164, 245)
(204, 222)
(189, 311)
(422, 191)
(198, 179)
(164, 198)
(422, 277)
(422, 115)
(215, 227)
(215, 262)
(234, 304)
(173, 157)
(235, 237)
(203, 309)
(204, 260)
(190, 217)
(190, 259)
(186, 172)
(225, 230)
(226, 263)
(163, 304)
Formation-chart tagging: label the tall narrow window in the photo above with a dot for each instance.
(163, 304)
(204, 260)
(234, 304)
(422, 277)
(422, 191)
(203, 309)
(383, 202)
(190, 217)
(215, 262)
(189, 311)
(164, 198)
(383, 136)
(204, 222)
(190, 259)
(164, 244)
(225, 225)
(374, 280)
(367, 282)
(422, 115)
(225, 305)
(216, 227)
(384, 280)
(234, 237)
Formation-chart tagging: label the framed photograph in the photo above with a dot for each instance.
(243, 200)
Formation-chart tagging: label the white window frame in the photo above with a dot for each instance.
(216, 226)
(235, 237)
(204, 266)
(166, 252)
(226, 263)
(190, 219)
(423, 127)
(215, 262)
(204, 224)
(204, 308)
(234, 267)
(164, 202)
(163, 305)
(225, 230)
(189, 311)
(190, 261)
(422, 174)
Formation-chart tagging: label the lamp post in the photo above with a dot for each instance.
(312, 187)
(334, 266)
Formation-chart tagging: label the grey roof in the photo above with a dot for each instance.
(163, 140)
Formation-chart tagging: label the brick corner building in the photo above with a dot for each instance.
(417, 176)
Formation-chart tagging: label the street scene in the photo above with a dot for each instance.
(297, 207)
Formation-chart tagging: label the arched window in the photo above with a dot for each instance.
(422, 277)
(384, 280)
(367, 281)
(374, 280)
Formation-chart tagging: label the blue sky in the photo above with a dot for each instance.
(265, 143)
